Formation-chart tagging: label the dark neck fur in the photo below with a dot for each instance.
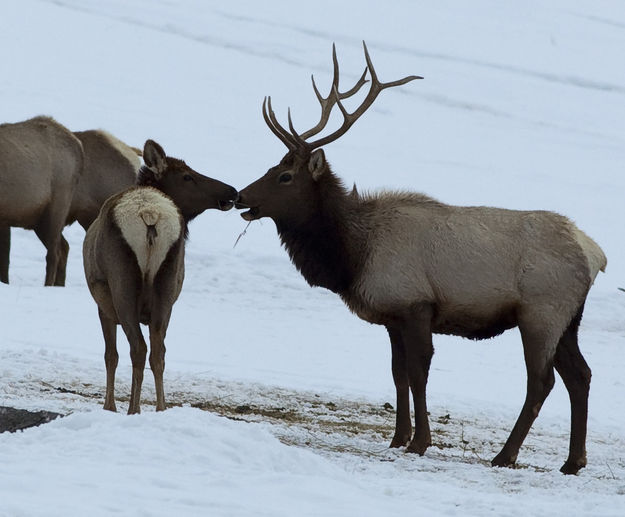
(147, 178)
(326, 248)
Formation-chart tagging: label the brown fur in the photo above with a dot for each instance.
(134, 261)
(419, 266)
(110, 167)
(41, 162)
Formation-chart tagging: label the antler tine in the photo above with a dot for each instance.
(328, 102)
(293, 140)
(374, 76)
(299, 139)
(270, 119)
(350, 118)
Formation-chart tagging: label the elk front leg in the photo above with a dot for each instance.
(403, 426)
(5, 249)
(111, 358)
(417, 339)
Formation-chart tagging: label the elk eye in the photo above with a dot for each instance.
(187, 177)
(285, 177)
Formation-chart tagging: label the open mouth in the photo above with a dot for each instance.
(251, 214)
(225, 205)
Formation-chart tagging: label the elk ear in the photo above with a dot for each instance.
(154, 157)
(317, 164)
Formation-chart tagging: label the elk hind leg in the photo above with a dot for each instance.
(138, 353)
(403, 426)
(111, 358)
(49, 232)
(160, 315)
(539, 350)
(61, 268)
(575, 373)
(157, 362)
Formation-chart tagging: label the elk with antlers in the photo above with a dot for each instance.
(419, 266)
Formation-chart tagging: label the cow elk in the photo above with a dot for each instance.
(419, 266)
(109, 166)
(41, 162)
(134, 261)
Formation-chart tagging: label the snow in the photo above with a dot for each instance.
(279, 391)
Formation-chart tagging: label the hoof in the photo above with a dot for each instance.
(399, 441)
(573, 467)
(417, 448)
(110, 407)
(503, 461)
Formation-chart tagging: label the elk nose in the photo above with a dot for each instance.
(239, 203)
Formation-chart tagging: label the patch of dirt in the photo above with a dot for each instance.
(12, 419)
(313, 421)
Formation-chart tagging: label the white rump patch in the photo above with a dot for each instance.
(597, 260)
(150, 224)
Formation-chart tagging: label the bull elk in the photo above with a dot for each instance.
(134, 261)
(41, 162)
(419, 266)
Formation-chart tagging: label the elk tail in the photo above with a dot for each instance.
(150, 218)
(137, 151)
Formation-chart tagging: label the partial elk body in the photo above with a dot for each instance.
(41, 162)
(419, 266)
(108, 167)
(134, 261)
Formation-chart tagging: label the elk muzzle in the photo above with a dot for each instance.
(243, 202)
(227, 201)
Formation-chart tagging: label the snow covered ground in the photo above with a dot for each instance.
(280, 393)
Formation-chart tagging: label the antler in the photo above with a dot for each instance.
(328, 103)
(293, 140)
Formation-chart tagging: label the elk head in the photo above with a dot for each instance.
(290, 190)
(191, 191)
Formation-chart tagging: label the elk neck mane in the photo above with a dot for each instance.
(330, 248)
(325, 248)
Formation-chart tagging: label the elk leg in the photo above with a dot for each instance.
(540, 380)
(138, 353)
(51, 239)
(111, 358)
(157, 362)
(403, 426)
(417, 340)
(575, 373)
(61, 267)
(5, 248)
